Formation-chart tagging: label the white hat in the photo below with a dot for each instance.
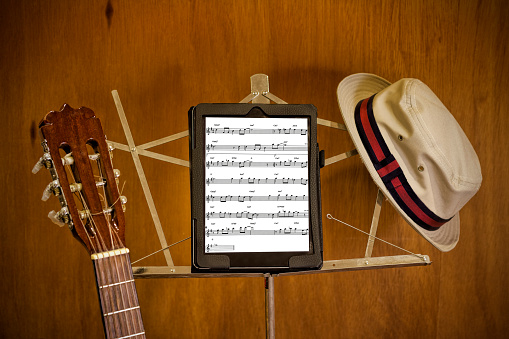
(414, 150)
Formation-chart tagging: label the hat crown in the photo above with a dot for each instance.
(437, 158)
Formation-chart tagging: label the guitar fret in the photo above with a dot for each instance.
(120, 311)
(132, 335)
(117, 293)
(119, 283)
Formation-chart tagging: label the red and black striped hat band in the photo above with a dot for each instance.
(389, 170)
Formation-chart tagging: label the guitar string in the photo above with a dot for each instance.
(114, 261)
(78, 195)
(130, 288)
(123, 258)
(112, 297)
(137, 313)
(100, 247)
(125, 288)
(111, 206)
(107, 298)
(102, 279)
(125, 267)
(117, 302)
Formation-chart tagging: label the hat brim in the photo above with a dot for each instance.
(353, 89)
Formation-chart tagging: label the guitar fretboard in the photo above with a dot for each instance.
(117, 293)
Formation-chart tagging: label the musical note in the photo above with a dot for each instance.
(244, 198)
(246, 231)
(257, 181)
(256, 147)
(250, 215)
(249, 163)
(244, 131)
(219, 248)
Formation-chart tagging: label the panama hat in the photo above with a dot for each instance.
(414, 150)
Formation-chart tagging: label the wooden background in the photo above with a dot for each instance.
(165, 56)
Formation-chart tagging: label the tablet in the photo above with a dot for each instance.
(255, 188)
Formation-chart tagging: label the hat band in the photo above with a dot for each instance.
(389, 170)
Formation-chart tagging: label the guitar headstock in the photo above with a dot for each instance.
(79, 160)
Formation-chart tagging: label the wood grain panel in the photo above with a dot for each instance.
(165, 56)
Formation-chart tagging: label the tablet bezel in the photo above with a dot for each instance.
(251, 261)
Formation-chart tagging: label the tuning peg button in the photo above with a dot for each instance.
(123, 201)
(37, 166)
(53, 187)
(48, 190)
(59, 218)
(45, 160)
(111, 148)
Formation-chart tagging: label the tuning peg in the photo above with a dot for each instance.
(76, 187)
(68, 159)
(84, 214)
(53, 187)
(123, 201)
(37, 166)
(110, 149)
(45, 160)
(116, 174)
(47, 192)
(59, 218)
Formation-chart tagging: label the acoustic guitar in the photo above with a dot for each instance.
(79, 160)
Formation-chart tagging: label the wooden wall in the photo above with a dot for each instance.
(165, 56)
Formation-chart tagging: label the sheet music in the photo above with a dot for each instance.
(256, 185)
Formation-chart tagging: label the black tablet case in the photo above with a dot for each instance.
(253, 261)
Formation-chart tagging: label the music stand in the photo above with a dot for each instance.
(259, 94)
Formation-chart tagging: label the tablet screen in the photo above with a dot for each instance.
(256, 185)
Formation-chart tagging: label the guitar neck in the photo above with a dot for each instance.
(117, 293)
